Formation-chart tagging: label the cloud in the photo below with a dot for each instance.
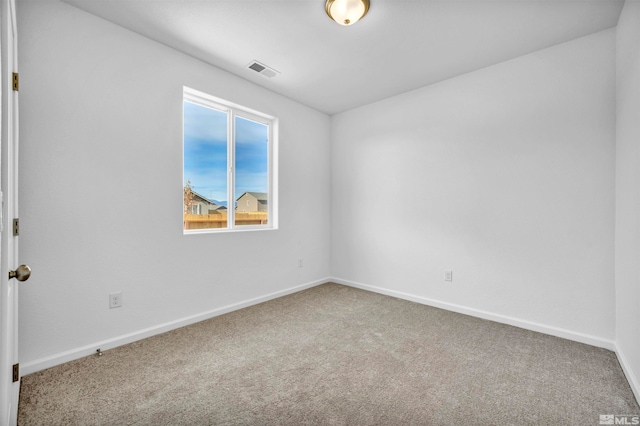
(205, 124)
(205, 152)
(250, 132)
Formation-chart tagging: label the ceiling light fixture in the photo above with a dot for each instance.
(346, 12)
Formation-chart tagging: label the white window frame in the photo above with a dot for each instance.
(234, 110)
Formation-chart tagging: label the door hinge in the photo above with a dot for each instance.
(16, 81)
(16, 227)
(16, 372)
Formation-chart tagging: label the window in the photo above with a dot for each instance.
(229, 156)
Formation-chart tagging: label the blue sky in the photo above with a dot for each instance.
(205, 153)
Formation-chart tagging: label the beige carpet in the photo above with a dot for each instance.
(334, 355)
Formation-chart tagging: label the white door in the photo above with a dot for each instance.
(10, 272)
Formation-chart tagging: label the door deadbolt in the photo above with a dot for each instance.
(22, 273)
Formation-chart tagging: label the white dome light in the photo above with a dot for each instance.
(346, 12)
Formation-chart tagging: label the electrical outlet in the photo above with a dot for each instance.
(115, 300)
(300, 262)
(448, 275)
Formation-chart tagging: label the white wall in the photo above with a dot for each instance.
(627, 249)
(101, 141)
(504, 175)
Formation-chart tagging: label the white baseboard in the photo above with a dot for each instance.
(528, 325)
(73, 354)
(76, 353)
(631, 378)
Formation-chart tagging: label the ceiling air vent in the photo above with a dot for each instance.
(262, 69)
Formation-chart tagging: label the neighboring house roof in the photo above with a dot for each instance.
(204, 199)
(260, 196)
(201, 197)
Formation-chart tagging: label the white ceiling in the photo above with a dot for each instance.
(398, 46)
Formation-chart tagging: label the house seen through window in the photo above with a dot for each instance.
(229, 166)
